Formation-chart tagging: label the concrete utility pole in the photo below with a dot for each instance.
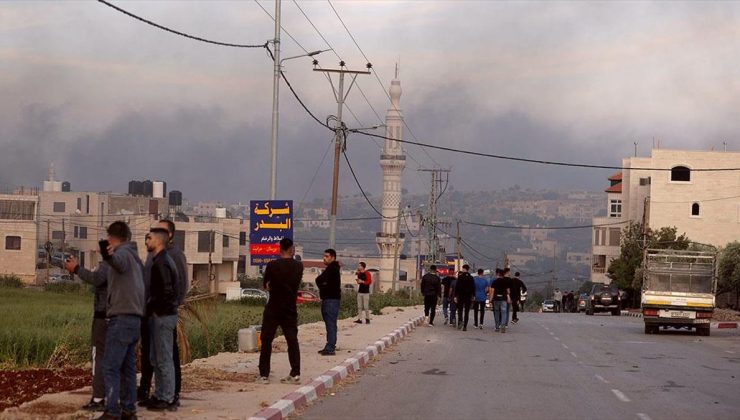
(340, 96)
(457, 248)
(275, 99)
(395, 253)
(211, 283)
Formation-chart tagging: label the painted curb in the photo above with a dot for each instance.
(319, 386)
(718, 325)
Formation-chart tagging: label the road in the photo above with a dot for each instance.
(549, 366)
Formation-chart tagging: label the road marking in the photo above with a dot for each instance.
(620, 395)
(552, 333)
(601, 378)
(556, 339)
(565, 347)
(643, 416)
(729, 351)
(574, 355)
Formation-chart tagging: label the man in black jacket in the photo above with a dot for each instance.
(330, 291)
(431, 289)
(282, 279)
(162, 312)
(464, 295)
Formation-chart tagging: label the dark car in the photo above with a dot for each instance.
(603, 298)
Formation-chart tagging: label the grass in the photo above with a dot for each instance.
(52, 328)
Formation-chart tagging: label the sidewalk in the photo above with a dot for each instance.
(223, 386)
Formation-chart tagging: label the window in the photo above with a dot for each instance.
(645, 181)
(681, 174)
(57, 235)
(79, 203)
(76, 232)
(226, 241)
(13, 243)
(205, 241)
(695, 209)
(83, 232)
(60, 206)
(242, 238)
(179, 239)
(615, 208)
(17, 210)
(614, 236)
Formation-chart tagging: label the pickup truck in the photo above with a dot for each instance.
(678, 290)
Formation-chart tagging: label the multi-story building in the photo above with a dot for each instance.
(676, 190)
(18, 233)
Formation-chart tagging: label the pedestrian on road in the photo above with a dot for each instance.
(481, 293)
(364, 280)
(447, 296)
(464, 295)
(431, 288)
(98, 279)
(282, 279)
(330, 291)
(161, 310)
(517, 288)
(558, 297)
(501, 297)
(125, 280)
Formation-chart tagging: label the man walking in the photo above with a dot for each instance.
(282, 279)
(330, 291)
(464, 295)
(364, 280)
(481, 293)
(500, 295)
(517, 288)
(125, 308)
(431, 289)
(558, 297)
(447, 296)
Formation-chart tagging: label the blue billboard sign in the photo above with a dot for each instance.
(269, 222)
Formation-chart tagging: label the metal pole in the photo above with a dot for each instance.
(48, 250)
(395, 250)
(338, 143)
(457, 245)
(275, 100)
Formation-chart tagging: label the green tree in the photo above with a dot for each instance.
(729, 270)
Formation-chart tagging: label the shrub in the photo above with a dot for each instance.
(63, 287)
(11, 281)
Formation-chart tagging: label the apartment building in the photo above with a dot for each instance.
(676, 190)
(18, 235)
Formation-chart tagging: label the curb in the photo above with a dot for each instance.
(319, 386)
(718, 325)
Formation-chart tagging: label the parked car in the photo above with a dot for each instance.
(306, 296)
(60, 278)
(549, 305)
(603, 298)
(254, 293)
(582, 302)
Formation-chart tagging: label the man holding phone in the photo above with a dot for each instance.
(125, 296)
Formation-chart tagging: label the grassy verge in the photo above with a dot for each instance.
(52, 328)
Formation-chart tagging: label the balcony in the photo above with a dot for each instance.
(598, 270)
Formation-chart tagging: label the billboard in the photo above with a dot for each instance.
(269, 222)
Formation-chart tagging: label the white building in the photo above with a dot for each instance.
(677, 191)
(18, 235)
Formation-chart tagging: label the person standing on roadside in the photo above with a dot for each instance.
(124, 310)
(501, 296)
(464, 295)
(282, 279)
(330, 291)
(558, 297)
(481, 293)
(447, 296)
(431, 289)
(364, 280)
(517, 288)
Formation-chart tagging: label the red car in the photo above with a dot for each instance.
(306, 296)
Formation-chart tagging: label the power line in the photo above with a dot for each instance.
(346, 158)
(543, 227)
(183, 34)
(326, 153)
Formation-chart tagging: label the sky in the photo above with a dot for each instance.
(108, 99)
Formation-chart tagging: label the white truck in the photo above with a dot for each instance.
(678, 290)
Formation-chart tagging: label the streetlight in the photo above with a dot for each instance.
(276, 117)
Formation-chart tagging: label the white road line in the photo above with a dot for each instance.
(619, 394)
(552, 333)
(556, 339)
(565, 347)
(601, 378)
(643, 416)
(574, 355)
(729, 351)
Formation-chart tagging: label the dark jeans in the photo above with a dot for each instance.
(147, 371)
(463, 310)
(446, 307)
(99, 329)
(162, 330)
(430, 307)
(288, 322)
(330, 313)
(515, 308)
(479, 309)
(119, 363)
(453, 310)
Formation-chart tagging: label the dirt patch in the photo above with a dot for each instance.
(724, 315)
(210, 379)
(46, 408)
(19, 386)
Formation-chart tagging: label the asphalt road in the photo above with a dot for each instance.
(549, 366)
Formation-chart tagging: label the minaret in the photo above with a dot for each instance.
(392, 161)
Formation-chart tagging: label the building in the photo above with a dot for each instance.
(393, 161)
(578, 258)
(676, 190)
(18, 235)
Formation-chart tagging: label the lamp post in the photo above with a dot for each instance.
(276, 114)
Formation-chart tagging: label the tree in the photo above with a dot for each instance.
(729, 270)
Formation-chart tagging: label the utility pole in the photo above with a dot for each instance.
(48, 249)
(431, 220)
(211, 283)
(457, 248)
(275, 100)
(395, 251)
(339, 146)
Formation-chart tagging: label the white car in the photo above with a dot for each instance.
(549, 306)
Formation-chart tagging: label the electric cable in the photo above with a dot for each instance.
(326, 153)
(543, 227)
(346, 158)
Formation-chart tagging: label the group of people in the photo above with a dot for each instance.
(459, 292)
(565, 301)
(135, 302)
